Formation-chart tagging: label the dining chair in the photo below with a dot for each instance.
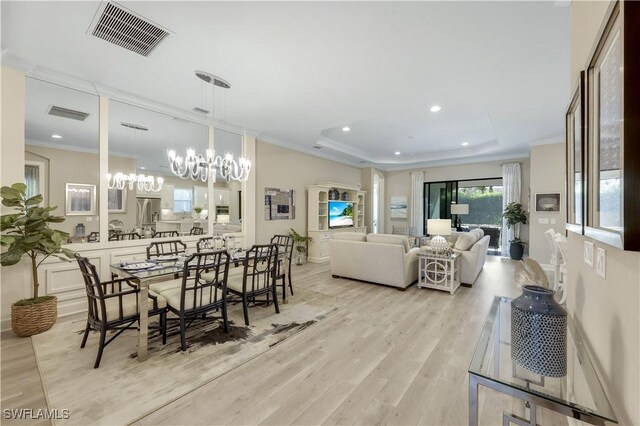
(199, 295)
(196, 230)
(165, 234)
(94, 237)
(283, 269)
(215, 242)
(165, 248)
(258, 278)
(114, 306)
(122, 236)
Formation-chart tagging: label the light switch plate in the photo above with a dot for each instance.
(588, 253)
(543, 220)
(601, 263)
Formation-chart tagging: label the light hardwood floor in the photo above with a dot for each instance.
(386, 357)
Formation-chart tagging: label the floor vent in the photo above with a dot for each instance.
(135, 126)
(201, 110)
(121, 27)
(67, 113)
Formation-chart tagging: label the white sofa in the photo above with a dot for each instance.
(472, 247)
(377, 258)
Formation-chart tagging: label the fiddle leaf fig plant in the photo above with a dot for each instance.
(27, 231)
(514, 214)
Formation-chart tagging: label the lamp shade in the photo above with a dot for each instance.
(439, 226)
(459, 208)
(222, 218)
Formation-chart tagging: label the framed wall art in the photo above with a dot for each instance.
(80, 199)
(613, 130)
(575, 155)
(279, 204)
(548, 202)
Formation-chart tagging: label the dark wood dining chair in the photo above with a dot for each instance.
(122, 236)
(94, 237)
(113, 305)
(258, 279)
(165, 234)
(210, 243)
(285, 253)
(196, 230)
(165, 248)
(199, 295)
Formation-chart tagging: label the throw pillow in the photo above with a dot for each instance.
(465, 241)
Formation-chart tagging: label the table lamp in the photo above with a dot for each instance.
(459, 209)
(439, 227)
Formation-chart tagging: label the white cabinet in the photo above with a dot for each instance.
(221, 197)
(167, 197)
(200, 197)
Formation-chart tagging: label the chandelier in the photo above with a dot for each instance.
(132, 180)
(198, 167)
(202, 167)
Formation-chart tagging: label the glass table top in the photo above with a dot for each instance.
(580, 389)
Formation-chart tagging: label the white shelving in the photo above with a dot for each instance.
(318, 216)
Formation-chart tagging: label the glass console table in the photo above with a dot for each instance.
(578, 395)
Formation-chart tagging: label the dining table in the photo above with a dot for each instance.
(142, 272)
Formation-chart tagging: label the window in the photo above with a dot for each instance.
(34, 178)
(182, 200)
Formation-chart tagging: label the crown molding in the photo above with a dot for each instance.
(458, 161)
(548, 141)
(309, 151)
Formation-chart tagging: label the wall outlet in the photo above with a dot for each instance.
(543, 220)
(89, 218)
(601, 263)
(553, 221)
(588, 253)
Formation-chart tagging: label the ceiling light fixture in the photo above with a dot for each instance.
(465, 143)
(346, 129)
(436, 108)
(56, 136)
(396, 153)
(199, 167)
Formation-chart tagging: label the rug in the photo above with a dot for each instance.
(122, 390)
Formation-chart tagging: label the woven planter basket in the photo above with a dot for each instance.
(34, 319)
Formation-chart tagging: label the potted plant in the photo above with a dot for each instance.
(27, 232)
(197, 210)
(514, 214)
(301, 246)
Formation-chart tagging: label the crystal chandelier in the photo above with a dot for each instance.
(199, 167)
(141, 182)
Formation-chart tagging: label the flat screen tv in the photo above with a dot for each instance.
(340, 214)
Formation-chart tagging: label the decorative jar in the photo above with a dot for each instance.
(539, 332)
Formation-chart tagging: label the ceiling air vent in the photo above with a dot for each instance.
(317, 147)
(121, 27)
(201, 110)
(135, 126)
(67, 113)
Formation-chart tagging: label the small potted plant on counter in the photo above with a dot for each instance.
(197, 210)
(301, 246)
(514, 214)
(27, 232)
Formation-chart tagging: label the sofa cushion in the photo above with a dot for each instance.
(479, 233)
(465, 241)
(400, 240)
(350, 236)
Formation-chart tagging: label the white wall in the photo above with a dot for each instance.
(399, 183)
(13, 279)
(547, 175)
(278, 167)
(606, 310)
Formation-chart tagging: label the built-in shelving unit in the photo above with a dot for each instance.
(318, 216)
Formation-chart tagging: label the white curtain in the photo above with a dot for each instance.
(417, 202)
(511, 184)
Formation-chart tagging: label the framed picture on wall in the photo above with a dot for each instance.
(398, 208)
(279, 204)
(576, 175)
(117, 200)
(80, 199)
(548, 202)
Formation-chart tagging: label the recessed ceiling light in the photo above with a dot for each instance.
(436, 108)
(346, 128)
(143, 168)
(465, 143)
(56, 136)
(396, 153)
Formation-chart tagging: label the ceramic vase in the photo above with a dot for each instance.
(539, 332)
